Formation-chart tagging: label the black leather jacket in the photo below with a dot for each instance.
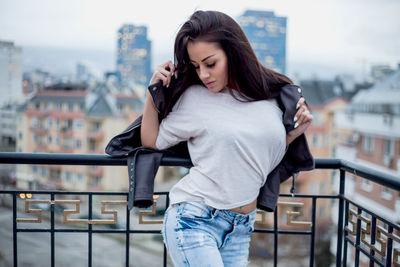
(143, 162)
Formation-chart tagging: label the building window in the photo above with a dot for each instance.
(19, 135)
(49, 139)
(313, 188)
(79, 177)
(315, 140)
(43, 171)
(57, 141)
(366, 185)
(78, 143)
(120, 107)
(34, 138)
(70, 106)
(325, 140)
(323, 188)
(368, 144)
(68, 177)
(34, 122)
(68, 125)
(34, 169)
(96, 126)
(49, 123)
(388, 147)
(95, 181)
(386, 193)
(57, 124)
(78, 124)
(322, 211)
(59, 106)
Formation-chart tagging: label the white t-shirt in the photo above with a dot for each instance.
(233, 146)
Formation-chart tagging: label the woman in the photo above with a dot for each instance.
(230, 118)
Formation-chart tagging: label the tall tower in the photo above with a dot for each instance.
(133, 55)
(267, 35)
(10, 73)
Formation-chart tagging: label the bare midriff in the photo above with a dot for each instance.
(246, 208)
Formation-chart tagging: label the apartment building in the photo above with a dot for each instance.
(368, 133)
(71, 118)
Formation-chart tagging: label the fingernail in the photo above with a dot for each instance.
(295, 119)
(297, 106)
(167, 85)
(296, 125)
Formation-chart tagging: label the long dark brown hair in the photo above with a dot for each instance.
(246, 74)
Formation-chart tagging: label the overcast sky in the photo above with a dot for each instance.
(322, 35)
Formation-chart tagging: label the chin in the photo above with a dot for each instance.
(215, 89)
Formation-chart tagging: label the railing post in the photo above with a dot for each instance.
(358, 239)
(127, 237)
(15, 229)
(389, 247)
(90, 232)
(276, 237)
(165, 248)
(373, 231)
(312, 246)
(340, 221)
(52, 246)
(345, 234)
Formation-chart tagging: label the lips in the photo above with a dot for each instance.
(209, 83)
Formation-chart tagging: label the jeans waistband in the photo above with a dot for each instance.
(227, 214)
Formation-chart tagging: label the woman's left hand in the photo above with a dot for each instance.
(302, 119)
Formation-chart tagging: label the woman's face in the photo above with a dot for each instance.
(211, 64)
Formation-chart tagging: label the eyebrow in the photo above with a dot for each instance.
(204, 59)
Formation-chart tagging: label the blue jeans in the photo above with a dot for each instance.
(198, 235)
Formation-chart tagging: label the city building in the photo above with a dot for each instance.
(368, 133)
(379, 72)
(133, 55)
(85, 73)
(36, 80)
(267, 35)
(10, 73)
(324, 98)
(71, 118)
(7, 128)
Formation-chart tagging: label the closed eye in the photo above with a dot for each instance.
(207, 65)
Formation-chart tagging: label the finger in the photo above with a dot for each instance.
(300, 102)
(303, 117)
(167, 69)
(167, 76)
(163, 71)
(298, 113)
(161, 77)
(171, 67)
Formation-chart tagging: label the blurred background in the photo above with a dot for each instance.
(74, 73)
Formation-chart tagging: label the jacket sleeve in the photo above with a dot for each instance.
(269, 193)
(297, 157)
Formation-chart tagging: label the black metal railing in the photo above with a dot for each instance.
(358, 227)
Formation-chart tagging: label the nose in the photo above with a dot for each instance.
(203, 74)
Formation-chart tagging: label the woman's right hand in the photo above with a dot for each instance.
(163, 73)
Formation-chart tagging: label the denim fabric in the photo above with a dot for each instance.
(198, 235)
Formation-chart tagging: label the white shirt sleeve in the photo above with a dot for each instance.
(181, 124)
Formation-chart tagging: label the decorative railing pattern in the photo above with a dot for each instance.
(358, 227)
